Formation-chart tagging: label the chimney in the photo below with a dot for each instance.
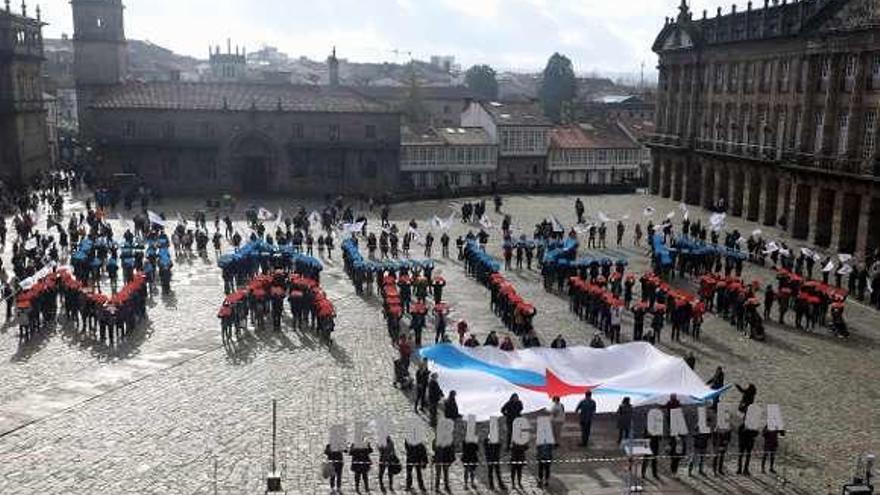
(333, 68)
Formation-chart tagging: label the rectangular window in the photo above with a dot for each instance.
(733, 81)
(842, 133)
(128, 130)
(750, 78)
(826, 68)
(370, 131)
(333, 132)
(819, 124)
(296, 130)
(868, 137)
(851, 66)
(784, 76)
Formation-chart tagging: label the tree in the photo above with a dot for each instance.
(413, 107)
(482, 81)
(558, 87)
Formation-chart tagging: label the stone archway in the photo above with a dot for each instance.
(252, 156)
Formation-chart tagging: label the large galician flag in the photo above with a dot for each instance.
(485, 377)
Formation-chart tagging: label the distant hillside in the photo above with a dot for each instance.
(149, 62)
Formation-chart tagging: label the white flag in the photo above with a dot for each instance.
(843, 257)
(264, 214)
(353, 228)
(845, 270)
(807, 252)
(717, 219)
(155, 219)
(670, 215)
(484, 377)
(828, 267)
(756, 232)
(314, 218)
(557, 225)
(771, 248)
(485, 222)
(603, 217)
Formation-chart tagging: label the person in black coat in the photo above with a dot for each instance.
(517, 461)
(334, 457)
(746, 441)
(422, 376)
(416, 459)
(435, 394)
(511, 410)
(450, 408)
(493, 459)
(470, 458)
(443, 458)
(360, 465)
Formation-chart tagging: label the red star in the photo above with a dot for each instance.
(555, 387)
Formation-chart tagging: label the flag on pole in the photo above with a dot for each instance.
(314, 218)
(828, 267)
(717, 220)
(155, 218)
(843, 257)
(485, 222)
(670, 215)
(264, 214)
(557, 225)
(353, 228)
(845, 270)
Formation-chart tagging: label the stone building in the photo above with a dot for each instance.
(442, 105)
(772, 114)
(227, 136)
(229, 66)
(521, 132)
(592, 154)
(449, 156)
(23, 148)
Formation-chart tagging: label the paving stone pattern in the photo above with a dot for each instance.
(172, 410)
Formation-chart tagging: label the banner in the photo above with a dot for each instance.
(353, 228)
(485, 377)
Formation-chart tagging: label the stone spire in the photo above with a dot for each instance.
(684, 13)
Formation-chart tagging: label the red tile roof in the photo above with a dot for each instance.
(590, 136)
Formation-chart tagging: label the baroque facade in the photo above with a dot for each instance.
(772, 114)
(242, 137)
(23, 141)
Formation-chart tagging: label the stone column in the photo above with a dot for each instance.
(716, 189)
(864, 224)
(813, 213)
(762, 194)
(747, 191)
(792, 206)
(837, 219)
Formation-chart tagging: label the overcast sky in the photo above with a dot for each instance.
(603, 35)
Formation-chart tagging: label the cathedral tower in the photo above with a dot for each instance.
(100, 51)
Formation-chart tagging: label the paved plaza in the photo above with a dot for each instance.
(173, 410)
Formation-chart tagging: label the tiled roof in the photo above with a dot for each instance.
(425, 92)
(236, 97)
(518, 114)
(590, 136)
(456, 136)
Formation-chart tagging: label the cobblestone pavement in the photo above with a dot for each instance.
(174, 411)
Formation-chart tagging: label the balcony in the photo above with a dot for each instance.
(670, 140)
